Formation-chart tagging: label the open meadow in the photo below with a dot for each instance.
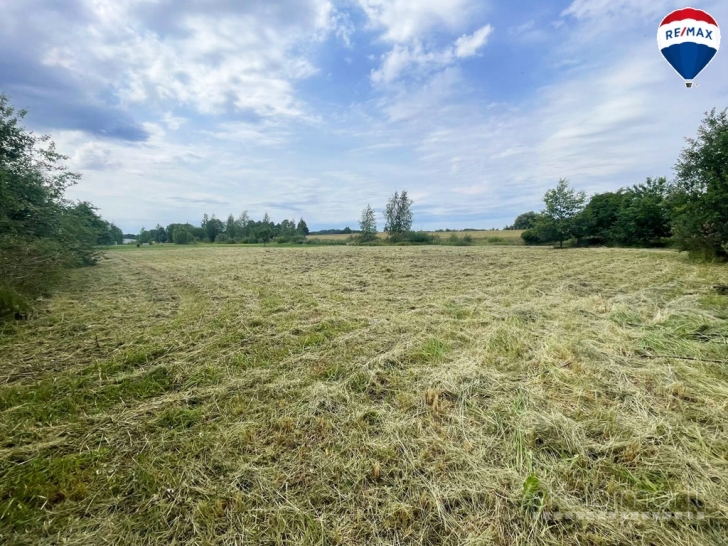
(370, 395)
(487, 236)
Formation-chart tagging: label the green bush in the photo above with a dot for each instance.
(416, 238)
(454, 240)
(531, 236)
(41, 232)
(11, 302)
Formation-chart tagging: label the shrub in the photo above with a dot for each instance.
(415, 238)
(11, 301)
(454, 240)
(531, 237)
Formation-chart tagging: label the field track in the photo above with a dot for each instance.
(369, 395)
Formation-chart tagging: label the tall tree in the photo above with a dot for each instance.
(212, 227)
(160, 234)
(144, 236)
(700, 200)
(368, 224)
(398, 215)
(117, 234)
(562, 205)
(231, 228)
(302, 228)
(265, 229)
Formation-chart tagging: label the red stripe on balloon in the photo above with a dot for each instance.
(688, 13)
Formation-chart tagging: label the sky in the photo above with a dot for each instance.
(314, 108)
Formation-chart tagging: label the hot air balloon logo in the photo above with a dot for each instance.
(689, 39)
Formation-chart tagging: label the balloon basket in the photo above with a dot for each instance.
(688, 84)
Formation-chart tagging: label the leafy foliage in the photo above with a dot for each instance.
(527, 220)
(562, 205)
(368, 224)
(398, 215)
(40, 232)
(636, 216)
(700, 200)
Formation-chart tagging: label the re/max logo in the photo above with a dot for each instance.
(689, 31)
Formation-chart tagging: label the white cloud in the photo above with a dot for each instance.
(415, 56)
(406, 20)
(227, 56)
(468, 45)
(407, 24)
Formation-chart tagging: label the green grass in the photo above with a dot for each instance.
(369, 395)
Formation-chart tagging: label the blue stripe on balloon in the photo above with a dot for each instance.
(689, 58)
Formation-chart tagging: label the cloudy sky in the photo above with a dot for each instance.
(314, 108)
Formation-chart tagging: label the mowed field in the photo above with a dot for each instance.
(370, 395)
(479, 237)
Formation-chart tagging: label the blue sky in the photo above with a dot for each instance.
(314, 108)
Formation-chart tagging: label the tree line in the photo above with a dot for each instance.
(689, 212)
(397, 214)
(242, 229)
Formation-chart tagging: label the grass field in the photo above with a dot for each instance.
(370, 395)
(479, 237)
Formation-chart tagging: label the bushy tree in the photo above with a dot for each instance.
(144, 237)
(368, 224)
(398, 215)
(596, 222)
(543, 231)
(562, 206)
(182, 235)
(700, 198)
(159, 234)
(527, 220)
(40, 232)
(211, 227)
(644, 216)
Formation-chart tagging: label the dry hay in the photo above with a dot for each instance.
(384, 395)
